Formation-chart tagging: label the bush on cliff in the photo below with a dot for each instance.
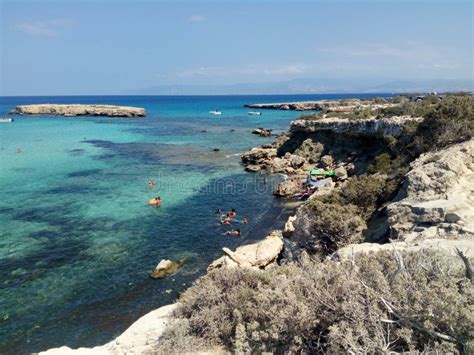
(331, 226)
(381, 165)
(363, 192)
(376, 303)
(452, 121)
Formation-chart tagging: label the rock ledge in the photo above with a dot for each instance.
(79, 110)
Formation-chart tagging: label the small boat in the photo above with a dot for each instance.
(215, 112)
(6, 120)
(255, 113)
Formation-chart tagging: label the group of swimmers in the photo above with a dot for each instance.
(229, 218)
(225, 218)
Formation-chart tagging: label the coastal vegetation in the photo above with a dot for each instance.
(390, 301)
(367, 305)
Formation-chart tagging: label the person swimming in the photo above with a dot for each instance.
(225, 219)
(151, 184)
(232, 214)
(233, 232)
(240, 221)
(155, 201)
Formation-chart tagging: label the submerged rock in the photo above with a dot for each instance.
(262, 132)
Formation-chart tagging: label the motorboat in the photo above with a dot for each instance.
(6, 120)
(255, 113)
(215, 112)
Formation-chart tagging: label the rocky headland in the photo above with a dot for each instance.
(382, 200)
(79, 110)
(324, 105)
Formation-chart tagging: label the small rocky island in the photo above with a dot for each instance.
(343, 105)
(79, 110)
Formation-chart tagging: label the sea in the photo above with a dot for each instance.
(78, 239)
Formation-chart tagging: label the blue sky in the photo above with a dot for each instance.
(120, 47)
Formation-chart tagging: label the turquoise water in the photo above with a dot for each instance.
(77, 238)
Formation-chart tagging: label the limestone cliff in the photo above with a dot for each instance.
(79, 110)
(387, 126)
(319, 105)
(433, 209)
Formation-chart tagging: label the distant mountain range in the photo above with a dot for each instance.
(308, 86)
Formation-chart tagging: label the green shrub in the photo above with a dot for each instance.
(370, 304)
(382, 164)
(358, 113)
(407, 108)
(452, 121)
(363, 191)
(332, 226)
(311, 116)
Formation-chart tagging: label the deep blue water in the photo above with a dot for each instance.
(77, 239)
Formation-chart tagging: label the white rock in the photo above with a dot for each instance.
(140, 338)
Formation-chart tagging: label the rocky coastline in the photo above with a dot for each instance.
(432, 209)
(73, 110)
(345, 105)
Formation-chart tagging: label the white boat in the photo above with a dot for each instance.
(256, 113)
(6, 120)
(215, 112)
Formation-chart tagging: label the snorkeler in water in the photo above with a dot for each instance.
(233, 232)
(151, 184)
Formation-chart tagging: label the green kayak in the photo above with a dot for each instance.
(316, 172)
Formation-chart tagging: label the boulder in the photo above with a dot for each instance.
(297, 161)
(285, 189)
(166, 267)
(327, 161)
(258, 255)
(253, 168)
(278, 165)
(289, 227)
(262, 132)
(341, 173)
(256, 156)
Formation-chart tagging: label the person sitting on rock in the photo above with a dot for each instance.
(233, 232)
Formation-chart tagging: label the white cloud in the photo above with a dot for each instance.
(50, 28)
(196, 18)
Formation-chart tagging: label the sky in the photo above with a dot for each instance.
(68, 47)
